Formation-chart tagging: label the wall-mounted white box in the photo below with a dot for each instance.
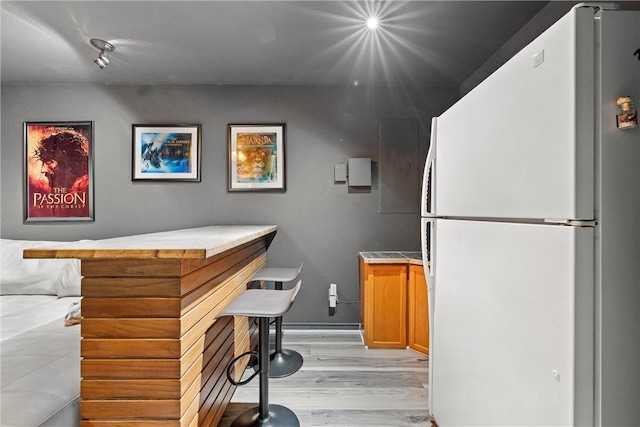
(340, 173)
(359, 173)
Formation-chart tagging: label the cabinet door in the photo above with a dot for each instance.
(418, 319)
(386, 305)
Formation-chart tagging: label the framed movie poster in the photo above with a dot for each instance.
(58, 162)
(256, 157)
(166, 152)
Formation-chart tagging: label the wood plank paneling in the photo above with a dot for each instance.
(132, 328)
(215, 272)
(105, 287)
(129, 368)
(140, 368)
(216, 390)
(131, 348)
(216, 405)
(191, 264)
(131, 307)
(140, 408)
(127, 408)
(131, 267)
(214, 372)
(216, 299)
(131, 423)
(152, 352)
(203, 313)
(141, 388)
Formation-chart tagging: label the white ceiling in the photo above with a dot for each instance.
(255, 42)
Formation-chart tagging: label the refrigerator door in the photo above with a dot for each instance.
(513, 324)
(427, 234)
(521, 144)
(427, 226)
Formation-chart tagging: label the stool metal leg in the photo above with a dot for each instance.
(265, 415)
(283, 362)
(264, 368)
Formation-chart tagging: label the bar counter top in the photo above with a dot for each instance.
(201, 242)
(392, 257)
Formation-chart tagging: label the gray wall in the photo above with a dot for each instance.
(321, 223)
(532, 29)
(547, 16)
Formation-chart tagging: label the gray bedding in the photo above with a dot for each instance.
(39, 355)
(39, 362)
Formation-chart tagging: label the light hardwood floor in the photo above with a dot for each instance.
(341, 383)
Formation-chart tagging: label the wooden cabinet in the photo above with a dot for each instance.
(394, 306)
(385, 305)
(418, 310)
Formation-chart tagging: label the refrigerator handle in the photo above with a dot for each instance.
(428, 249)
(428, 179)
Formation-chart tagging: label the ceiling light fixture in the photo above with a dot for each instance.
(372, 23)
(102, 60)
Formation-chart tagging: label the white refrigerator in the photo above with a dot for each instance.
(531, 235)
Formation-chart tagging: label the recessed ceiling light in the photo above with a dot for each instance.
(372, 23)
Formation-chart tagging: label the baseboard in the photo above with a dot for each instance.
(323, 326)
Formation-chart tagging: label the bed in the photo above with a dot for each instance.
(39, 338)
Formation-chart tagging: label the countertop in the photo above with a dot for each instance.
(391, 257)
(200, 242)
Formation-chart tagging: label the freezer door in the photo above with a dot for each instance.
(521, 144)
(513, 325)
(427, 203)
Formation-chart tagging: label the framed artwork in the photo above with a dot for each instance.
(58, 171)
(256, 157)
(166, 152)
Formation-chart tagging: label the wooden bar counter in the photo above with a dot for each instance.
(151, 353)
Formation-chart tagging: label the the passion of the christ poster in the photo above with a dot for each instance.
(58, 171)
(256, 157)
(166, 152)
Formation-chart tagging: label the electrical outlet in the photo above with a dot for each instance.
(333, 299)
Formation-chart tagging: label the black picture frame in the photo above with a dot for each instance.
(256, 157)
(58, 171)
(166, 152)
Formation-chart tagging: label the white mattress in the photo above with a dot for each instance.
(40, 360)
(22, 313)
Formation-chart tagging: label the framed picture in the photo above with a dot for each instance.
(256, 157)
(166, 152)
(58, 171)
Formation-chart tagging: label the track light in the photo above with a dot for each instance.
(102, 60)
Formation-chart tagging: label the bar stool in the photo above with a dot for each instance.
(263, 304)
(284, 362)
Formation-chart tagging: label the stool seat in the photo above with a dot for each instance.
(284, 362)
(277, 274)
(261, 303)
